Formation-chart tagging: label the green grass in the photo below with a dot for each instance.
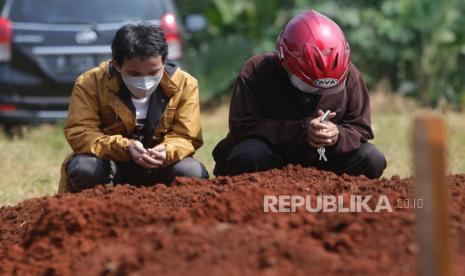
(30, 166)
(393, 135)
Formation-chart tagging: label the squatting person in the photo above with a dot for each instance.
(134, 119)
(279, 99)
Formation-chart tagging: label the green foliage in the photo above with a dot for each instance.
(216, 64)
(236, 31)
(418, 46)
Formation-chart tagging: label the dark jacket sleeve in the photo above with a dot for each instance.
(246, 119)
(355, 127)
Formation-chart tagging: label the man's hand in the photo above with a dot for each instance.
(144, 157)
(322, 134)
(158, 155)
(136, 149)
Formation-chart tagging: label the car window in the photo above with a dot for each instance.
(85, 11)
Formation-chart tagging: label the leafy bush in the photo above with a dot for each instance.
(418, 46)
(216, 64)
(236, 31)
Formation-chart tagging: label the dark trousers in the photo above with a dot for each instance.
(252, 155)
(86, 171)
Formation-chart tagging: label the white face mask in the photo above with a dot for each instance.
(142, 87)
(307, 88)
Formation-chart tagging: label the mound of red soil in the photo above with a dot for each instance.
(219, 227)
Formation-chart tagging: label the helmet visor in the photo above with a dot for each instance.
(307, 88)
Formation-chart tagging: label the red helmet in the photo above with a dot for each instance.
(315, 53)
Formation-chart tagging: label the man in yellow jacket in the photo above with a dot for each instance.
(134, 119)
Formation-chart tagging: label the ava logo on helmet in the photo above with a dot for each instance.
(326, 83)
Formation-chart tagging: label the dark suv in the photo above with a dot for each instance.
(46, 44)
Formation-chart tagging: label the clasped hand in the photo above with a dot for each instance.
(322, 134)
(152, 158)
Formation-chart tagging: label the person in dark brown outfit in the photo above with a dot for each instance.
(277, 109)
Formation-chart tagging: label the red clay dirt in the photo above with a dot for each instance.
(218, 226)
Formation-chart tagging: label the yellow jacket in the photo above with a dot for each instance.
(100, 123)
